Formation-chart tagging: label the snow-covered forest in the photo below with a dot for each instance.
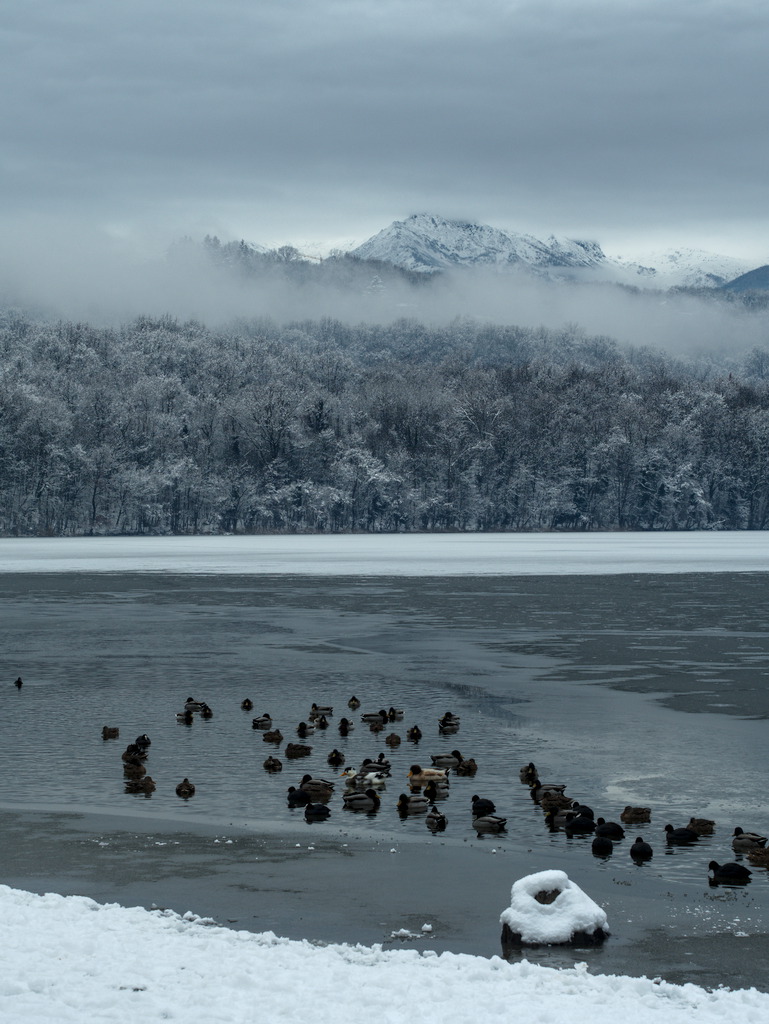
(161, 427)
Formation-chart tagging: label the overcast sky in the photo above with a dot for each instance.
(639, 123)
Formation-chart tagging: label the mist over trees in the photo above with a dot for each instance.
(162, 426)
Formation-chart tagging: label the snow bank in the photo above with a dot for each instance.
(570, 915)
(71, 959)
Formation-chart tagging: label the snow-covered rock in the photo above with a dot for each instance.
(547, 907)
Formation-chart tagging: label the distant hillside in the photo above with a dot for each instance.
(754, 281)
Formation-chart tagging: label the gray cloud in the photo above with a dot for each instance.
(635, 120)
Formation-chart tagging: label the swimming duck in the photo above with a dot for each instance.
(436, 790)
(730, 874)
(134, 768)
(143, 742)
(353, 703)
(145, 785)
(336, 758)
(110, 732)
(303, 730)
(636, 815)
(556, 817)
(742, 841)
(415, 803)
(247, 704)
(272, 736)
(680, 836)
(296, 797)
(447, 728)
(553, 801)
(538, 789)
(759, 857)
(273, 764)
(702, 826)
(446, 760)
(419, 776)
(528, 774)
(436, 821)
(393, 740)
(132, 751)
(185, 789)
(481, 806)
(364, 779)
(319, 789)
(193, 705)
(297, 750)
(321, 722)
(184, 716)
(489, 823)
(609, 829)
(345, 725)
(380, 764)
(468, 767)
(641, 850)
(414, 734)
(395, 714)
(366, 801)
(206, 712)
(316, 812)
(262, 722)
(602, 846)
(379, 717)
(18, 683)
(321, 710)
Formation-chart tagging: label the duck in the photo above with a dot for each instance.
(436, 790)
(759, 857)
(419, 776)
(436, 821)
(110, 732)
(297, 750)
(184, 716)
(272, 736)
(185, 789)
(446, 760)
(609, 829)
(321, 722)
(345, 726)
(273, 764)
(303, 730)
(262, 722)
(636, 815)
(18, 682)
(193, 705)
(414, 734)
(368, 800)
(553, 801)
(680, 836)
(731, 873)
(414, 803)
(556, 817)
(393, 740)
(528, 774)
(353, 703)
(364, 779)
(134, 769)
(206, 712)
(641, 850)
(336, 758)
(743, 841)
(702, 826)
(468, 767)
(321, 710)
(145, 785)
(481, 806)
(376, 727)
(143, 742)
(296, 797)
(316, 812)
(489, 823)
(395, 714)
(538, 789)
(132, 752)
(447, 728)
(448, 716)
(602, 846)
(582, 809)
(247, 705)
(380, 764)
(319, 789)
(374, 716)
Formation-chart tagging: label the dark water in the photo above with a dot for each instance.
(644, 690)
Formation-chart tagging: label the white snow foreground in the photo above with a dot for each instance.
(570, 913)
(71, 959)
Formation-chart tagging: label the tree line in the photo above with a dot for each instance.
(168, 427)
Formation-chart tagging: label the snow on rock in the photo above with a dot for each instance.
(547, 907)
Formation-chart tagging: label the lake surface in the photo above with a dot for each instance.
(635, 687)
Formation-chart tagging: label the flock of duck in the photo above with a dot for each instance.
(363, 787)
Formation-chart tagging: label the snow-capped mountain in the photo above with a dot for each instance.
(426, 243)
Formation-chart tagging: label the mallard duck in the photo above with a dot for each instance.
(336, 758)
(759, 857)
(528, 774)
(297, 750)
(743, 841)
(321, 722)
(321, 710)
(609, 829)
(376, 727)
(18, 683)
(379, 717)
(316, 812)
(556, 817)
(184, 716)
(353, 703)
(145, 785)
(636, 815)
(641, 850)
(680, 836)
(436, 790)
(304, 729)
(466, 768)
(193, 705)
(364, 779)
(110, 732)
(366, 801)
(185, 789)
(134, 768)
(319, 789)
(414, 734)
(414, 803)
(261, 722)
(379, 764)
(395, 714)
(446, 760)
(296, 797)
(489, 823)
(345, 726)
(602, 846)
(553, 801)
(702, 826)
(272, 764)
(393, 740)
(247, 705)
(272, 736)
(206, 712)
(419, 776)
(132, 751)
(448, 728)
(436, 821)
(481, 805)
(538, 789)
(730, 874)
